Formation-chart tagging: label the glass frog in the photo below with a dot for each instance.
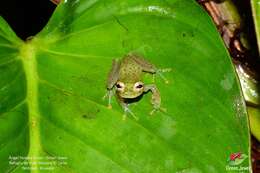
(126, 77)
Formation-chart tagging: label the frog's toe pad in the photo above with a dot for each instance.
(163, 110)
(153, 111)
(158, 109)
(166, 70)
(125, 116)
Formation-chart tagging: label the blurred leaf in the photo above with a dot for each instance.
(256, 15)
(254, 117)
(52, 87)
(249, 85)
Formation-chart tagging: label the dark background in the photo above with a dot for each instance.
(26, 17)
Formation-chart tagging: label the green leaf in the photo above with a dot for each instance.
(254, 117)
(52, 88)
(256, 16)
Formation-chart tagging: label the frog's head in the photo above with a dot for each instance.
(129, 90)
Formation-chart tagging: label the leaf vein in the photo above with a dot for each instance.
(14, 107)
(9, 61)
(84, 142)
(9, 83)
(82, 56)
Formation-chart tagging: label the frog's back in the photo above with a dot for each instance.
(129, 69)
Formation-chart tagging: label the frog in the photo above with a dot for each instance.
(126, 78)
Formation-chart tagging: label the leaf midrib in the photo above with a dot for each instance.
(27, 53)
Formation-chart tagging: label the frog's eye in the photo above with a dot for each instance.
(120, 86)
(138, 86)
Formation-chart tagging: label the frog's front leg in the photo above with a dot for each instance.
(111, 80)
(126, 109)
(156, 98)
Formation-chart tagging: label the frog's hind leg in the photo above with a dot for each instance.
(144, 64)
(150, 68)
(113, 74)
(112, 78)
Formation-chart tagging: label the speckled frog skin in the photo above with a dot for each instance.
(126, 77)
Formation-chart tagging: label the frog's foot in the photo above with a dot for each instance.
(158, 109)
(163, 70)
(160, 73)
(108, 95)
(128, 111)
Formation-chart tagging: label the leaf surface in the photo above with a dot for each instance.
(52, 88)
(255, 4)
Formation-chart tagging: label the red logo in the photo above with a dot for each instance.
(235, 156)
